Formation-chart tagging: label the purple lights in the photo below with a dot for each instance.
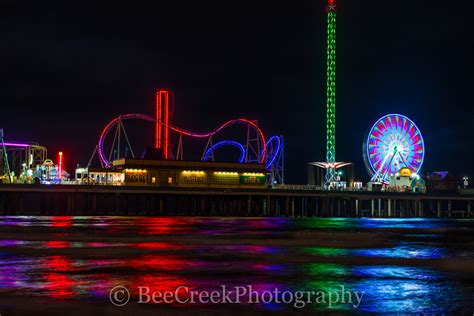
(17, 145)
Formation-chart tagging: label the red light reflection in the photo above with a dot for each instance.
(160, 262)
(161, 226)
(158, 245)
(161, 283)
(56, 244)
(58, 285)
(61, 221)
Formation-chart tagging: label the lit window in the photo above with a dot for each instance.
(153, 180)
(170, 180)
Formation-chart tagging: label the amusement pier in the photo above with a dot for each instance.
(234, 169)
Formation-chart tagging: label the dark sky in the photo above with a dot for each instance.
(68, 68)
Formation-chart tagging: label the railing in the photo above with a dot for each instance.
(310, 187)
(297, 187)
(466, 191)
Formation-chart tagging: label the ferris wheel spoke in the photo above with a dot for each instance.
(383, 123)
(397, 124)
(382, 140)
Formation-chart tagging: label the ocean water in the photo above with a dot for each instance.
(69, 265)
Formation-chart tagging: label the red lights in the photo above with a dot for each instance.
(60, 165)
(226, 124)
(158, 122)
(331, 165)
(109, 126)
(331, 6)
(162, 131)
(166, 130)
(163, 127)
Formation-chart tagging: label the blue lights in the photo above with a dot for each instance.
(209, 151)
(274, 151)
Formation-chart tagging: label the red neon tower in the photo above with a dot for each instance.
(60, 165)
(162, 130)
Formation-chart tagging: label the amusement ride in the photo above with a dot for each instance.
(332, 179)
(257, 148)
(394, 142)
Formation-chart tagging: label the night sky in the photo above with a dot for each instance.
(69, 68)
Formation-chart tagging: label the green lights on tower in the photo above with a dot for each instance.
(331, 92)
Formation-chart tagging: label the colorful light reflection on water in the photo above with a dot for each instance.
(402, 265)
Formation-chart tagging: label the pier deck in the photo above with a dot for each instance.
(132, 200)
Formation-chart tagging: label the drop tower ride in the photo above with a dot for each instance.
(331, 93)
(332, 177)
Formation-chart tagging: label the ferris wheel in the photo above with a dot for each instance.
(393, 142)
